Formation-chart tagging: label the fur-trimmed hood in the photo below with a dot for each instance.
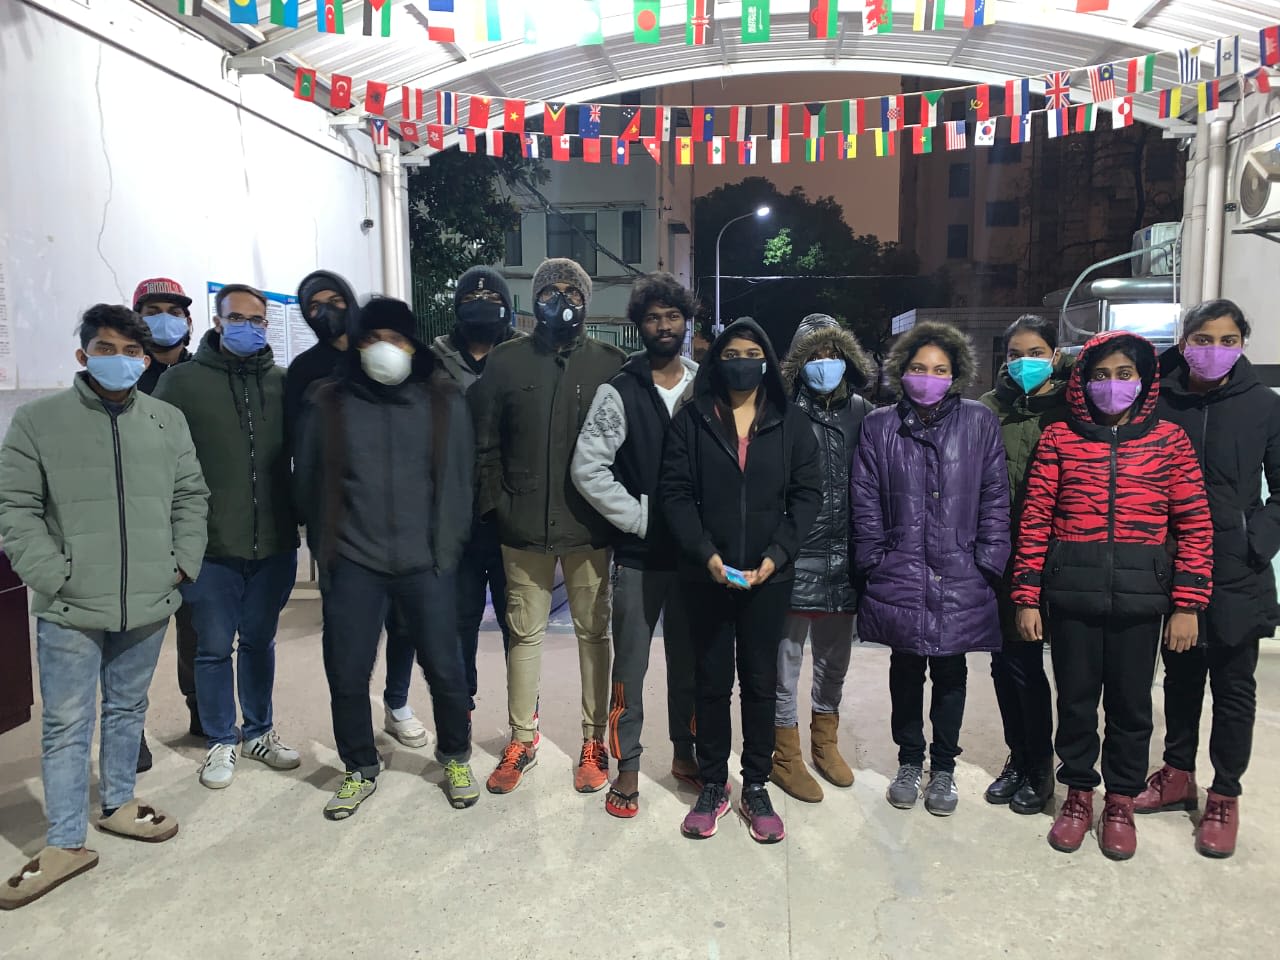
(859, 368)
(953, 341)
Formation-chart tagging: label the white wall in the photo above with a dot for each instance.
(113, 169)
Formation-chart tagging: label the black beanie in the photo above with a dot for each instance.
(482, 278)
(385, 313)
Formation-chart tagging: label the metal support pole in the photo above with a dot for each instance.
(718, 326)
(1215, 212)
(393, 232)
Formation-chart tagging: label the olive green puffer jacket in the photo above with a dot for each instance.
(99, 511)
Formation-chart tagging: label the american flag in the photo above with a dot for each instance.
(1057, 90)
(379, 133)
(956, 139)
(1102, 83)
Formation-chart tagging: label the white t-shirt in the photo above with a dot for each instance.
(670, 396)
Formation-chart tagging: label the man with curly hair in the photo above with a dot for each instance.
(615, 468)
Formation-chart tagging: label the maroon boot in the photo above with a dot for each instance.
(1216, 835)
(1117, 834)
(1074, 820)
(1168, 789)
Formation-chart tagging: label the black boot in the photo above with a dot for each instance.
(195, 729)
(1006, 785)
(144, 755)
(1036, 790)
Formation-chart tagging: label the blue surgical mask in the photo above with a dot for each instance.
(167, 330)
(823, 376)
(117, 372)
(1030, 373)
(243, 339)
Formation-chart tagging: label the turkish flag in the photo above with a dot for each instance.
(339, 92)
(513, 116)
(375, 97)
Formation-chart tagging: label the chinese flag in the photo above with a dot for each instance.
(375, 97)
(591, 149)
(478, 114)
(513, 116)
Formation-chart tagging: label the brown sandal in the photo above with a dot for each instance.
(138, 821)
(48, 869)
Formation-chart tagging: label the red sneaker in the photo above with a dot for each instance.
(516, 759)
(1216, 835)
(1074, 820)
(593, 767)
(1168, 789)
(1117, 834)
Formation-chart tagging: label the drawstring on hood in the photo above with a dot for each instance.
(1083, 413)
(210, 354)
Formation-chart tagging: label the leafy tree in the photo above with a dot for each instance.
(459, 215)
(803, 238)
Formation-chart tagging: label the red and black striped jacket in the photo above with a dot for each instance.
(1116, 522)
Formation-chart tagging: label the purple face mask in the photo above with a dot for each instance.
(1211, 363)
(924, 389)
(1114, 396)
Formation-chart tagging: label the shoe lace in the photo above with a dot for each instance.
(593, 752)
(709, 799)
(1009, 771)
(512, 755)
(351, 786)
(941, 782)
(1217, 810)
(459, 773)
(1115, 813)
(221, 753)
(1075, 807)
(758, 802)
(908, 777)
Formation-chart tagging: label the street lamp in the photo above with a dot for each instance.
(758, 212)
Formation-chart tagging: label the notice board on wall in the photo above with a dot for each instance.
(288, 334)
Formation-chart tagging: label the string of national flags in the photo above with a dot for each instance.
(597, 132)
(495, 21)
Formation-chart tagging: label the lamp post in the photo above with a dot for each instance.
(758, 212)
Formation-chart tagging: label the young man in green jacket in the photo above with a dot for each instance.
(529, 406)
(102, 513)
(233, 397)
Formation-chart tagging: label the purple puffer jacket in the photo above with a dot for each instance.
(931, 528)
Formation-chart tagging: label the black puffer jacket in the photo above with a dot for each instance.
(824, 582)
(715, 507)
(1235, 431)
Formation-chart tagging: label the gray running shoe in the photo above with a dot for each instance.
(460, 784)
(941, 798)
(354, 791)
(904, 791)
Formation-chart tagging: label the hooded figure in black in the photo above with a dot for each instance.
(1210, 389)
(385, 459)
(328, 304)
(741, 485)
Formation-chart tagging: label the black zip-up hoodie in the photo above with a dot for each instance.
(714, 507)
(319, 362)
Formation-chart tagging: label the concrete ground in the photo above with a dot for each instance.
(257, 872)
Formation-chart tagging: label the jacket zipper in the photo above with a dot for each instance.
(547, 546)
(391, 540)
(1111, 516)
(253, 460)
(124, 538)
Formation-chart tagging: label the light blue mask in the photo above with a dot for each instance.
(166, 329)
(1030, 373)
(243, 339)
(116, 373)
(823, 376)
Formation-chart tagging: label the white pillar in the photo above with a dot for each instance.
(395, 233)
(1191, 266)
(1215, 213)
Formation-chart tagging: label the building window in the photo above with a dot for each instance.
(958, 241)
(1003, 213)
(515, 246)
(573, 235)
(1005, 152)
(631, 244)
(958, 181)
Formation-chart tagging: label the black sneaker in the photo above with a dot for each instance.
(757, 810)
(144, 755)
(195, 729)
(1035, 793)
(1004, 787)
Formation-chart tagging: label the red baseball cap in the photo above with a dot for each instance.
(160, 288)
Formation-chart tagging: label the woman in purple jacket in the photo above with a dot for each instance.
(930, 498)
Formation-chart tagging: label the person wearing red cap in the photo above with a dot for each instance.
(165, 307)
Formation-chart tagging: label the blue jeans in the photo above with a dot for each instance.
(244, 598)
(71, 664)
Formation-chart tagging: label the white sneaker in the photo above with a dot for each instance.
(219, 766)
(271, 751)
(410, 731)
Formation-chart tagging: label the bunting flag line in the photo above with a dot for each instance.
(739, 123)
(375, 97)
(560, 147)
(747, 152)
(1057, 90)
(886, 143)
(591, 150)
(379, 10)
(716, 151)
(779, 121)
(815, 120)
(513, 116)
(1207, 96)
(921, 140)
(1059, 123)
(654, 146)
(850, 146)
(621, 152)
(304, 84)
(495, 142)
(467, 140)
(929, 107)
(1170, 105)
(1102, 83)
(662, 117)
(780, 149)
(684, 151)
(892, 113)
(592, 34)
(446, 108)
(1189, 65)
(339, 92)
(553, 119)
(980, 103)
(589, 121)
(1141, 74)
(412, 105)
(329, 16)
(631, 118)
(1122, 113)
(1226, 56)
(1020, 129)
(984, 134)
(478, 112)
(815, 149)
(824, 19)
(755, 21)
(1269, 46)
(529, 143)
(379, 133)
(284, 13)
(979, 13)
(648, 21)
(409, 132)
(1085, 118)
(1017, 97)
(243, 11)
(930, 15)
(956, 135)
(700, 23)
(704, 124)
(435, 136)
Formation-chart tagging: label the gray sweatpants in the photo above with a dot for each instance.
(640, 597)
(833, 635)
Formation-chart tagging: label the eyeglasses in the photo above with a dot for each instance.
(572, 294)
(255, 321)
(490, 296)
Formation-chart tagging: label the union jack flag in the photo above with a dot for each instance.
(1102, 83)
(956, 139)
(1057, 90)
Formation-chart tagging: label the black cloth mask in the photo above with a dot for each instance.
(481, 321)
(332, 319)
(742, 374)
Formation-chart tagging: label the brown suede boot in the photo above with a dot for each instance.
(789, 771)
(823, 731)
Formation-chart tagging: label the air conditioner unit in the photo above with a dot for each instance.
(1257, 190)
(1159, 244)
